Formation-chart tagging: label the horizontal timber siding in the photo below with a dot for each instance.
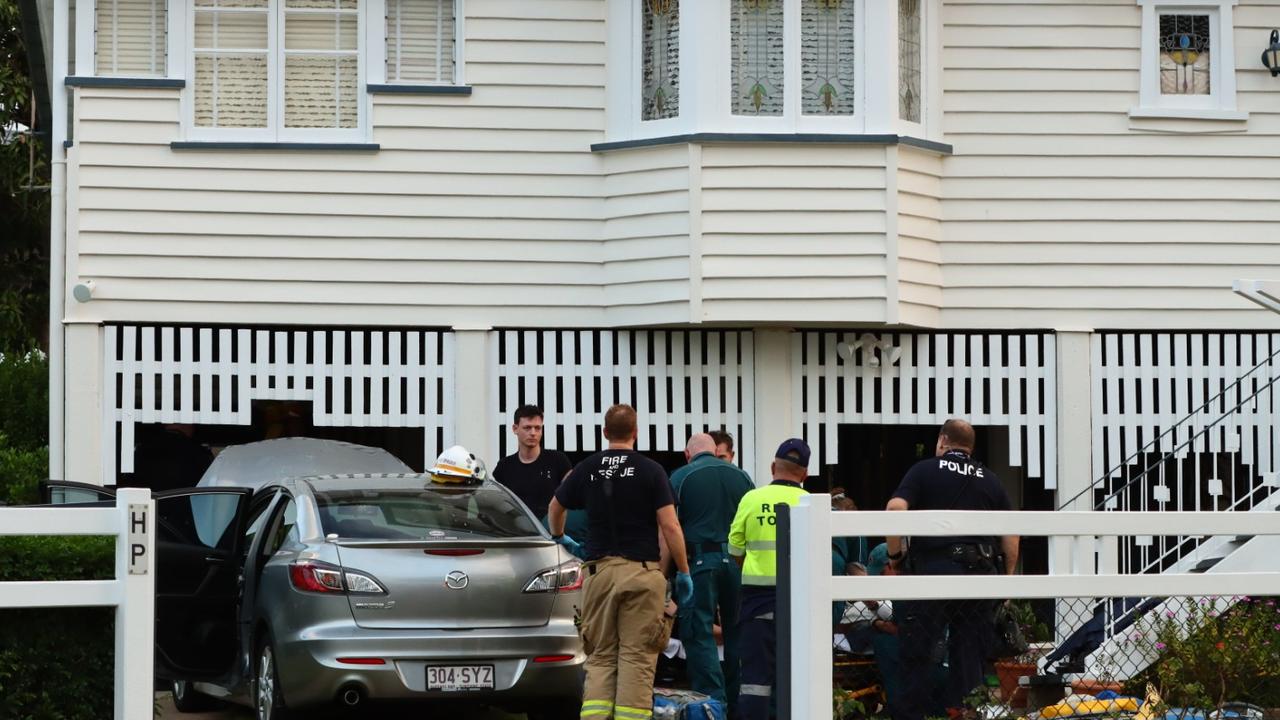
(919, 236)
(488, 208)
(1059, 210)
(793, 233)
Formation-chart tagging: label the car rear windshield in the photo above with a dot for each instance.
(429, 514)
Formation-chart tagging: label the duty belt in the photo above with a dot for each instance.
(699, 548)
(963, 553)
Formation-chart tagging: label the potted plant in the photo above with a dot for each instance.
(1010, 669)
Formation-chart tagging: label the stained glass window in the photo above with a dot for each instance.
(909, 60)
(757, 56)
(1184, 55)
(827, 45)
(660, 83)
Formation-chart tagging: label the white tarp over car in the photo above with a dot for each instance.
(253, 464)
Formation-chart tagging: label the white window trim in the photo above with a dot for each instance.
(705, 75)
(377, 46)
(1220, 104)
(275, 132)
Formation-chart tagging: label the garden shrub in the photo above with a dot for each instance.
(24, 400)
(21, 471)
(57, 663)
(1216, 652)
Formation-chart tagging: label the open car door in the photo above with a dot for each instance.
(65, 492)
(198, 554)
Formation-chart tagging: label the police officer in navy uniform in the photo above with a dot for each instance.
(952, 480)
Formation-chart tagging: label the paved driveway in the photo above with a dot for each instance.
(167, 712)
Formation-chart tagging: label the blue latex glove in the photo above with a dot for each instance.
(574, 548)
(684, 588)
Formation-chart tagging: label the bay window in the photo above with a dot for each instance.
(828, 44)
(758, 58)
(770, 66)
(660, 59)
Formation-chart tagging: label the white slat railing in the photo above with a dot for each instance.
(211, 376)
(853, 377)
(680, 382)
(1183, 421)
(131, 592)
(806, 580)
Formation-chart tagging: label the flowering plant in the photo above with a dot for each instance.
(1218, 651)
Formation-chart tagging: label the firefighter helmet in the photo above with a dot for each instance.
(457, 465)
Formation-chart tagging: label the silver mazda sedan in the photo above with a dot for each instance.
(344, 589)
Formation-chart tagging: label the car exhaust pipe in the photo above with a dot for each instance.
(351, 695)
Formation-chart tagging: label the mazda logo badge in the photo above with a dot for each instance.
(456, 580)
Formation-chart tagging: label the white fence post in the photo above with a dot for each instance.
(811, 594)
(135, 609)
(1084, 549)
(131, 592)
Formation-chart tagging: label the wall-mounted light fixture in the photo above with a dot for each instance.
(1271, 56)
(83, 292)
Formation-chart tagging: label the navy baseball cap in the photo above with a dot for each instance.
(794, 450)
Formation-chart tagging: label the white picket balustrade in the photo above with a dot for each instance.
(679, 381)
(852, 377)
(1084, 545)
(212, 376)
(132, 594)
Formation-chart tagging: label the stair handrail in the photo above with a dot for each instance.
(1145, 448)
(1145, 471)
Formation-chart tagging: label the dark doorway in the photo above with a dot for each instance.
(873, 459)
(171, 456)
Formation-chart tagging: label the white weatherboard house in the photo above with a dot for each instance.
(846, 220)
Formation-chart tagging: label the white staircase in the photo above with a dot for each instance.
(1205, 461)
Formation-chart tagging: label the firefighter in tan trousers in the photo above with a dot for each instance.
(628, 502)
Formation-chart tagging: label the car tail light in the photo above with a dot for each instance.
(363, 661)
(322, 578)
(455, 552)
(552, 658)
(566, 577)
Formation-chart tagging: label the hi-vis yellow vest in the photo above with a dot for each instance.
(754, 532)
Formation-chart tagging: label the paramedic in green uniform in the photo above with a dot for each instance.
(707, 493)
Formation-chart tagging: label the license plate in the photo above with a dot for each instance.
(459, 677)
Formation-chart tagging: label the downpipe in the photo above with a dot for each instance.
(58, 235)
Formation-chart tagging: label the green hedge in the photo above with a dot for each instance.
(20, 473)
(24, 427)
(24, 400)
(57, 664)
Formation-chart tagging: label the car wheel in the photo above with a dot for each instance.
(187, 700)
(566, 709)
(268, 698)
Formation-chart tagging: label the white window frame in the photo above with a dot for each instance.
(376, 45)
(1220, 103)
(275, 132)
(705, 75)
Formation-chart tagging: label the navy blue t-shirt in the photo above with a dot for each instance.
(534, 483)
(952, 481)
(622, 491)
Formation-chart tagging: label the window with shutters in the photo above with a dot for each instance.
(130, 38)
(276, 69)
(421, 42)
